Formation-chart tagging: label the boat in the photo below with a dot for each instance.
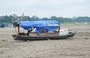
(43, 29)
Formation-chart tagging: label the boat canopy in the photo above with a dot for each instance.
(50, 25)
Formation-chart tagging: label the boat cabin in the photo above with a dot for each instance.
(40, 26)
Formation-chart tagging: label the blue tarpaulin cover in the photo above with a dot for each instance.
(50, 25)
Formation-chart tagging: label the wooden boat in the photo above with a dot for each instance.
(42, 35)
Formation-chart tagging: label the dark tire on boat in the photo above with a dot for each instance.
(15, 37)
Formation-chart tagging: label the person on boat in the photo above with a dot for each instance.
(29, 31)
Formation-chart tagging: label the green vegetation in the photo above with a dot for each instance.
(67, 21)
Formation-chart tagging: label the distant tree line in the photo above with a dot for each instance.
(11, 18)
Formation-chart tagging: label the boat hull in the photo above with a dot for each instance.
(26, 37)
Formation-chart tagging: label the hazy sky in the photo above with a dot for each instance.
(46, 8)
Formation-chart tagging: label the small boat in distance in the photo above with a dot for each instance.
(41, 29)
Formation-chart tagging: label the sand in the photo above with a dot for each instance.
(76, 47)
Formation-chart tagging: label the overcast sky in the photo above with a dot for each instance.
(46, 8)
